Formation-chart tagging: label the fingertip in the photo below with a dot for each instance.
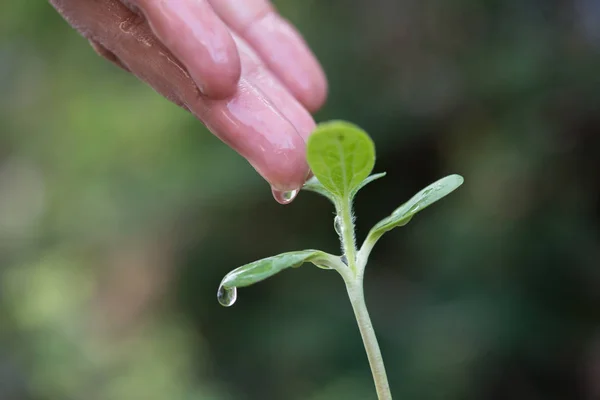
(289, 57)
(286, 171)
(251, 125)
(314, 99)
(283, 165)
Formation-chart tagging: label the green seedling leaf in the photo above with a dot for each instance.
(426, 197)
(341, 155)
(313, 185)
(257, 271)
(368, 180)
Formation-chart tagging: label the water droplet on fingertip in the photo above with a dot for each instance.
(284, 197)
(227, 296)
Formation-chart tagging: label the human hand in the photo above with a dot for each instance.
(235, 64)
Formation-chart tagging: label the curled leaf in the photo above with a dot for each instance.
(403, 214)
(257, 271)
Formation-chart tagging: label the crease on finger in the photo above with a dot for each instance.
(259, 16)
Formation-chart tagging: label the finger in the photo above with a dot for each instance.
(109, 55)
(254, 127)
(199, 39)
(255, 72)
(280, 46)
(248, 121)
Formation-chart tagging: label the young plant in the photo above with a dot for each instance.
(341, 157)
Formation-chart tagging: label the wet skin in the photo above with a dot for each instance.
(237, 65)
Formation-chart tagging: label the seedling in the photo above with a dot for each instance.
(341, 157)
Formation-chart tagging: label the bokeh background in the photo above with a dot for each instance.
(120, 213)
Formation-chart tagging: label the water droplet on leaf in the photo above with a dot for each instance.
(227, 296)
(414, 208)
(337, 225)
(284, 197)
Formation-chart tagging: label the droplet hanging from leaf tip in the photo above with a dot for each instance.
(227, 296)
(284, 197)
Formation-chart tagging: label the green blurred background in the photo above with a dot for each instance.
(119, 215)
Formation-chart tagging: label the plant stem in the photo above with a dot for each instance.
(357, 298)
(348, 243)
(354, 285)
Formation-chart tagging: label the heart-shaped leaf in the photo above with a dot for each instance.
(403, 214)
(341, 155)
(257, 271)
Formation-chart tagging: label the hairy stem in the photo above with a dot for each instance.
(357, 298)
(348, 243)
(354, 285)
